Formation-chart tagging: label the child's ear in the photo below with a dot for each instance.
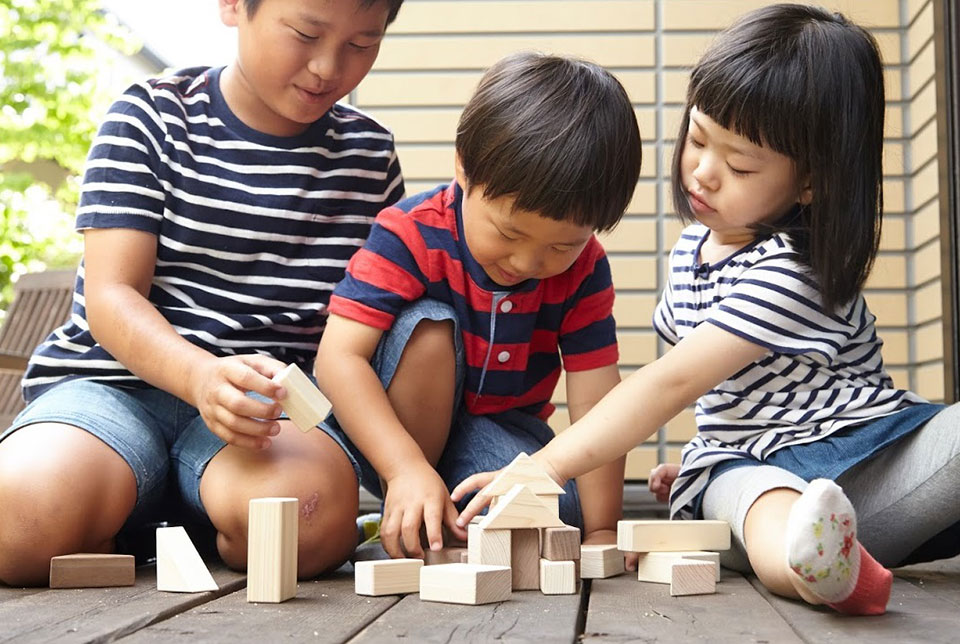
(230, 12)
(458, 172)
(806, 194)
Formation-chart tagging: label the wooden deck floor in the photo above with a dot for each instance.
(925, 607)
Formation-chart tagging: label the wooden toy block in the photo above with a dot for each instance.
(672, 536)
(523, 470)
(525, 558)
(387, 576)
(560, 544)
(656, 566)
(305, 404)
(272, 531)
(489, 547)
(465, 583)
(179, 566)
(600, 562)
(464, 557)
(520, 508)
(84, 570)
(443, 556)
(692, 578)
(558, 577)
(552, 501)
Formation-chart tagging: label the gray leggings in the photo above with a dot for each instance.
(907, 497)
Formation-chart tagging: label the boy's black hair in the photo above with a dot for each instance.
(252, 6)
(556, 134)
(808, 84)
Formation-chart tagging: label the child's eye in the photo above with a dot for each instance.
(692, 141)
(562, 249)
(360, 47)
(302, 35)
(505, 235)
(738, 172)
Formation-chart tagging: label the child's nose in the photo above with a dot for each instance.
(325, 65)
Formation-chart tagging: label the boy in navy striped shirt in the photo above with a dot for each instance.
(219, 208)
(447, 336)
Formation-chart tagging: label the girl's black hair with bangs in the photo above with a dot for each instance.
(808, 84)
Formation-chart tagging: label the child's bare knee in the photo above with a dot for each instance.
(431, 339)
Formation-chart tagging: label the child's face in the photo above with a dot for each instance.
(515, 245)
(732, 183)
(296, 58)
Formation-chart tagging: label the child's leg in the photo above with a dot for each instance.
(310, 466)
(64, 489)
(907, 494)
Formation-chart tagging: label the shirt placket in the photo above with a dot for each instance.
(503, 305)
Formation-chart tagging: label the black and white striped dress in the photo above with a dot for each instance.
(823, 371)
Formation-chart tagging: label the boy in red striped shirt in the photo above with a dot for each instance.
(449, 332)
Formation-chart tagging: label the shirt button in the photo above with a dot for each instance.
(506, 306)
(503, 356)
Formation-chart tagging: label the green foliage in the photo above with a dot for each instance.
(50, 102)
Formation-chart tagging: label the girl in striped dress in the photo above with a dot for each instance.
(826, 472)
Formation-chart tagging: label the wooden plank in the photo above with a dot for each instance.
(102, 614)
(942, 578)
(527, 616)
(622, 609)
(913, 615)
(324, 610)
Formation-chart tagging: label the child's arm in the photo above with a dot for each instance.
(118, 271)
(415, 493)
(637, 407)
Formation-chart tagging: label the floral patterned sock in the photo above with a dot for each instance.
(822, 549)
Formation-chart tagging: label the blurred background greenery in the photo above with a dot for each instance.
(51, 99)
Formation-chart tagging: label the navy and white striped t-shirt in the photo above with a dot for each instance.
(253, 230)
(823, 370)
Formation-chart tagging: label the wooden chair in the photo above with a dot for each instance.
(41, 303)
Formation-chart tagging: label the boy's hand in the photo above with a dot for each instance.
(473, 482)
(661, 480)
(416, 495)
(219, 387)
(605, 537)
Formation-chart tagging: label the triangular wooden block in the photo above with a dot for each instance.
(520, 508)
(525, 471)
(179, 566)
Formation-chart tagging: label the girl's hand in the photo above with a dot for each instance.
(605, 537)
(219, 387)
(473, 482)
(416, 495)
(661, 480)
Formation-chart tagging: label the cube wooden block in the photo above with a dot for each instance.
(692, 578)
(91, 571)
(387, 576)
(489, 547)
(600, 561)
(464, 583)
(525, 558)
(672, 536)
(656, 566)
(558, 577)
(560, 544)
(305, 404)
(272, 532)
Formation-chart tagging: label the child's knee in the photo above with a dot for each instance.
(431, 340)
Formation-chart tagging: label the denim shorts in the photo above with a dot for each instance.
(163, 439)
(476, 443)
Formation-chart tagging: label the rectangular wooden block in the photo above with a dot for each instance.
(488, 547)
(387, 576)
(671, 536)
(692, 578)
(305, 404)
(560, 544)
(600, 562)
(272, 532)
(656, 566)
(465, 583)
(525, 558)
(558, 577)
(84, 570)
(443, 556)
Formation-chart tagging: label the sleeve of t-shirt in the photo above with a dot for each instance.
(776, 305)
(384, 275)
(121, 186)
(663, 321)
(588, 332)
